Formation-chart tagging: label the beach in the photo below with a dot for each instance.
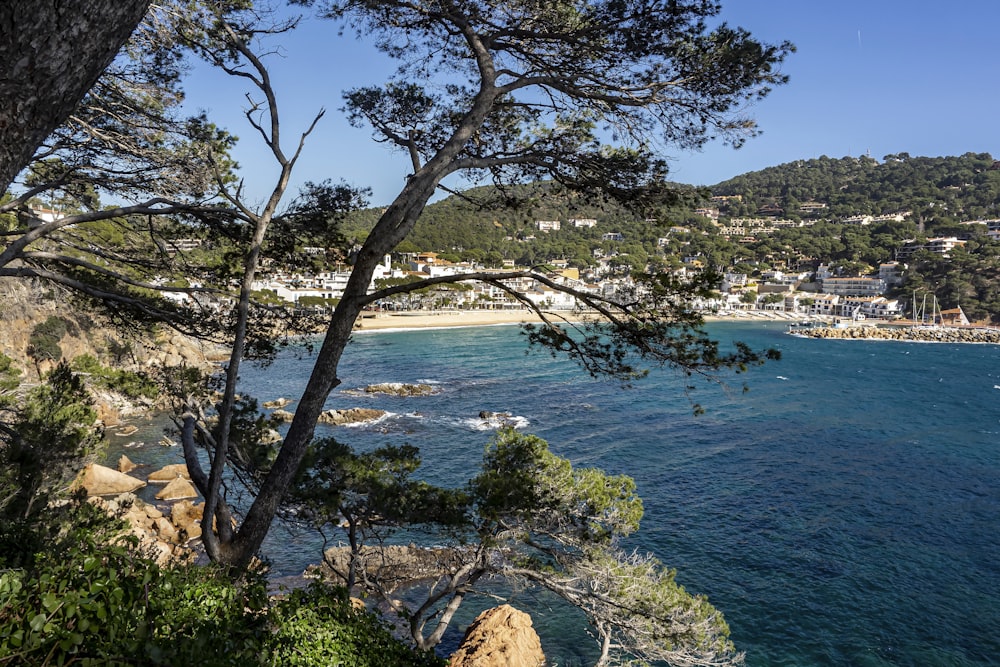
(426, 319)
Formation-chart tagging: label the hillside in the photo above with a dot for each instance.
(920, 197)
(940, 191)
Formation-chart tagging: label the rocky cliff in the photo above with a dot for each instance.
(24, 304)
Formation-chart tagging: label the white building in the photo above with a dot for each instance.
(854, 286)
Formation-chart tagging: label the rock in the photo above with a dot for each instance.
(275, 404)
(178, 489)
(500, 637)
(127, 431)
(270, 437)
(395, 565)
(165, 530)
(486, 415)
(400, 389)
(108, 414)
(99, 480)
(351, 416)
(186, 516)
(169, 473)
(283, 415)
(125, 465)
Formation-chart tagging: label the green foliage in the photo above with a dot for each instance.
(73, 590)
(50, 437)
(43, 343)
(373, 490)
(9, 376)
(968, 277)
(132, 384)
(318, 626)
(524, 484)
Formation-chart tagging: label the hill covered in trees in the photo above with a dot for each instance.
(819, 201)
(939, 191)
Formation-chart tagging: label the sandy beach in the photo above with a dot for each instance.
(424, 319)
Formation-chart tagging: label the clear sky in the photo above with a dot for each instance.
(869, 76)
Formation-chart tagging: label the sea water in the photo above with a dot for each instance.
(843, 510)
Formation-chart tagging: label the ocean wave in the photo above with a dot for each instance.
(494, 422)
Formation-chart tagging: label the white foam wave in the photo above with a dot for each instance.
(493, 423)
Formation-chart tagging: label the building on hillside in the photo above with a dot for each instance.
(583, 222)
(823, 272)
(547, 225)
(891, 272)
(941, 245)
(854, 286)
(822, 305)
(46, 214)
(811, 207)
(731, 281)
(711, 213)
(613, 236)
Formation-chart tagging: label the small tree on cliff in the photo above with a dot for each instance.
(528, 518)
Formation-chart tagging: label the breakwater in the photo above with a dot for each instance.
(917, 334)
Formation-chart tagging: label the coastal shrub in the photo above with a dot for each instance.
(9, 375)
(75, 589)
(50, 435)
(131, 384)
(43, 342)
(319, 626)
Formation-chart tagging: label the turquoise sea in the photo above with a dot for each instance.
(845, 510)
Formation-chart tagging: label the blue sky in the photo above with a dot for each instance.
(878, 76)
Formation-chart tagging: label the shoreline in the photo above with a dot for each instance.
(446, 319)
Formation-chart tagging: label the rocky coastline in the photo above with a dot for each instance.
(921, 334)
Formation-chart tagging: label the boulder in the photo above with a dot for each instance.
(351, 416)
(499, 637)
(400, 389)
(275, 404)
(165, 530)
(169, 473)
(283, 415)
(178, 489)
(186, 516)
(99, 480)
(125, 464)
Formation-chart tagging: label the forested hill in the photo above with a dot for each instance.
(939, 192)
(477, 224)
(942, 189)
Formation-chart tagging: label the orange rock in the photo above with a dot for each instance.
(500, 637)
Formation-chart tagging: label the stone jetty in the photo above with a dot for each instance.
(923, 334)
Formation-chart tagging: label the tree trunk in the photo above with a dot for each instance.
(51, 53)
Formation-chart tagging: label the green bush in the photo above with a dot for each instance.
(85, 599)
(43, 343)
(9, 374)
(128, 383)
